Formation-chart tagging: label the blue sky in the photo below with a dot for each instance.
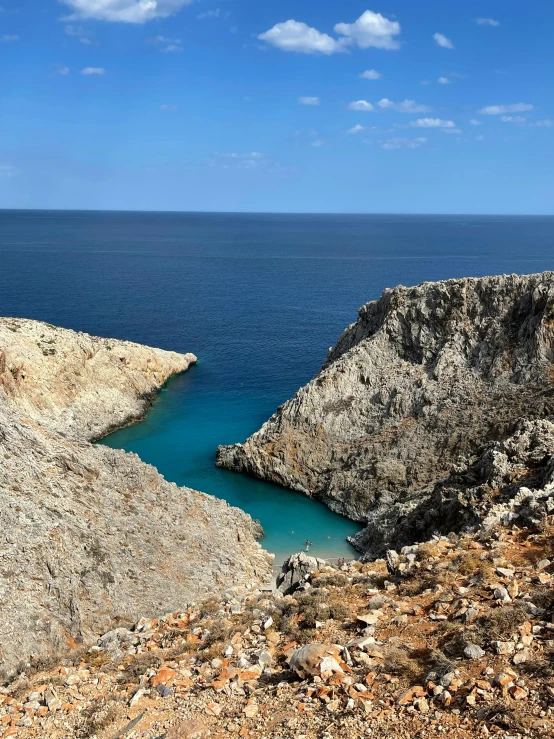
(264, 106)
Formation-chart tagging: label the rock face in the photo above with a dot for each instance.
(424, 380)
(296, 571)
(92, 538)
(79, 385)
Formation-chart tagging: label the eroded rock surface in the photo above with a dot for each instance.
(82, 386)
(92, 538)
(421, 384)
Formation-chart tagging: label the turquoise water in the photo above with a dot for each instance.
(259, 298)
(179, 437)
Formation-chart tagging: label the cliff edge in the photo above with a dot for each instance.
(91, 537)
(420, 385)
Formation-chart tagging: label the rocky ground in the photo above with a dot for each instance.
(454, 637)
(425, 381)
(90, 537)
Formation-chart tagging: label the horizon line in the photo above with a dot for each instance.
(276, 212)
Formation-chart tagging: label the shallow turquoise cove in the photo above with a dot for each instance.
(180, 435)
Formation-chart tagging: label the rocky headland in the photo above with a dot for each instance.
(424, 414)
(92, 538)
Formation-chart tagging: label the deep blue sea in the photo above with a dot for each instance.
(259, 299)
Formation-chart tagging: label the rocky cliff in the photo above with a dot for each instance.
(90, 537)
(424, 381)
(79, 385)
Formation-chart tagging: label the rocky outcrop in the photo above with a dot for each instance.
(79, 385)
(296, 571)
(510, 483)
(92, 538)
(424, 380)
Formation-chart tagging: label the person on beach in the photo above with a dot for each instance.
(308, 544)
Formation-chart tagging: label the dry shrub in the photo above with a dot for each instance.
(398, 662)
(96, 717)
(439, 663)
(427, 552)
(209, 608)
(418, 583)
(325, 581)
(454, 638)
(140, 664)
(502, 623)
(219, 631)
(470, 564)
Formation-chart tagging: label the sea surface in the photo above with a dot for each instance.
(259, 299)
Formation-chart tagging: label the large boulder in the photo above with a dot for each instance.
(296, 572)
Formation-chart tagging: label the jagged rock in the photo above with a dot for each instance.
(91, 537)
(504, 647)
(474, 651)
(117, 639)
(296, 571)
(428, 379)
(189, 729)
(312, 659)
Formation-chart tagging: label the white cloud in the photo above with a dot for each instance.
(432, 123)
(250, 160)
(168, 107)
(77, 32)
(404, 143)
(163, 40)
(444, 81)
(547, 123)
(62, 70)
(169, 44)
(361, 105)
(480, 138)
(362, 129)
(407, 106)
(371, 74)
(249, 155)
(125, 11)
(487, 22)
(370, 30)
(209, 14)
(443, 41)
(308, 100)
(87, 71)
(475, 122)
(294, 36)
(317, 144)
(7, 170)
(500, 109)
(9, 38)
(513, 119)
(425, 82)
